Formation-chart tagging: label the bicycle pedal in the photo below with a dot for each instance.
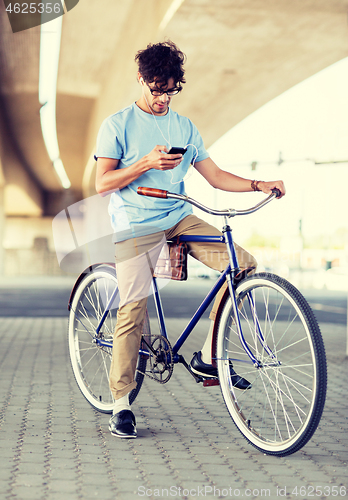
(211, 381)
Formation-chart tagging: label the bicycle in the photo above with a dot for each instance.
(264, 328)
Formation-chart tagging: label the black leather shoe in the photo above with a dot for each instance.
(122, 424)
(209, 371)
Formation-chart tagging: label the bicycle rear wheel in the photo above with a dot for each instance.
(282, 410)
(91, 362)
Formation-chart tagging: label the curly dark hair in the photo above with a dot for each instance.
(161, 61)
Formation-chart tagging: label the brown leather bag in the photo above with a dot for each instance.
(174, 267)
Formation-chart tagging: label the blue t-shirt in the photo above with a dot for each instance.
(128, 136)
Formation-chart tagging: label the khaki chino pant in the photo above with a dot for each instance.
(135, 260)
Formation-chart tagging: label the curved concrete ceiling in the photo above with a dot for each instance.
(240, 55)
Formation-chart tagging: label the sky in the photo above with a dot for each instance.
(306, 124)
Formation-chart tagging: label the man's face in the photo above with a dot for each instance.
(158, 103)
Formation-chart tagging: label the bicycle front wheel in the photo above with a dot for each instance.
(282, 409)
(96, 296)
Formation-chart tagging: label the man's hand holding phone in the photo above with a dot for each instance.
(162, 159)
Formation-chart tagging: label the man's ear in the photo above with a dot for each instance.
(140, 79)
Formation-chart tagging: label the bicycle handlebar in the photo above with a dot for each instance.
(229, 212)
(155, 193)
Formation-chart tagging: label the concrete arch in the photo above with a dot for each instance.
(240, 54)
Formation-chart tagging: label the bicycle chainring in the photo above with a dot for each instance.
(160, 363)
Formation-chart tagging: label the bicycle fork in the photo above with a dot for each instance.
(230, 282)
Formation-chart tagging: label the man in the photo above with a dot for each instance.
(132, 151)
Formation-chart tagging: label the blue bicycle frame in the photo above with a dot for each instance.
(228, 274)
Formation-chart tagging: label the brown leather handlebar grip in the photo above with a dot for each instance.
(155, 193)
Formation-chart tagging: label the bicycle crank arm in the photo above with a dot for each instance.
(182, 360)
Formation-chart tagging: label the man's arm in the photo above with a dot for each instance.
(109, 177)
(220, 179)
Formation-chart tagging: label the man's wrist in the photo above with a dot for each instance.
(144, 165)
(255, 185)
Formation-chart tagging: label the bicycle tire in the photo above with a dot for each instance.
(282, 410)
(90, 362)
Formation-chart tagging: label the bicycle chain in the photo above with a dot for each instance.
(158, 358)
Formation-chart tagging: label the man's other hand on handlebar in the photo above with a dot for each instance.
(268, 186)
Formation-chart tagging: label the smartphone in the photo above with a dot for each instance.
(177, 151)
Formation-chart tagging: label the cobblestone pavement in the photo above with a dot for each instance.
(53, 445)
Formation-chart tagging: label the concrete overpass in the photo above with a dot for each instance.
(241, 54)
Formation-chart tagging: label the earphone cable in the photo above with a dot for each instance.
(167, 140)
